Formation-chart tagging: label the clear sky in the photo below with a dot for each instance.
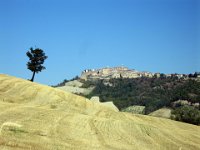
(146, 35)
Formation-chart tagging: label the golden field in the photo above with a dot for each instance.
(38, 117)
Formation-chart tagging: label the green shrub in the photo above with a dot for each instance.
(187, 114)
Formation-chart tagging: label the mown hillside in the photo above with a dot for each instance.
(153, 93)
(38, 117)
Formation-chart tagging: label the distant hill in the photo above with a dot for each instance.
(38, 117)
(75, 87)
(153, 93)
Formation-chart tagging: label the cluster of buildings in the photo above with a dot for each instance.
(123, 72)
(115, 72)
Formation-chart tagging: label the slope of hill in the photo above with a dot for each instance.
(163, 112)
(75, 87)
(37, 117)
(153, 93)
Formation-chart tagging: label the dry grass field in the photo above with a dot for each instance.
(163, 112)
(38, 117)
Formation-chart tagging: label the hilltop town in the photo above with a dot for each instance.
(125, 72)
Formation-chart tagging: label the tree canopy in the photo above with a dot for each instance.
(36, 59)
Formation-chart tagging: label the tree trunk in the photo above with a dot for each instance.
(33, 77)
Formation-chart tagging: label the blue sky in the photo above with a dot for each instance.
(146, 35)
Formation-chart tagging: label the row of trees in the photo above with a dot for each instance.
(153, 93)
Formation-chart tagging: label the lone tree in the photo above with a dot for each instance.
(36, 59)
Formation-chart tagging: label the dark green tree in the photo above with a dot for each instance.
(36, 59)
(162, 76)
